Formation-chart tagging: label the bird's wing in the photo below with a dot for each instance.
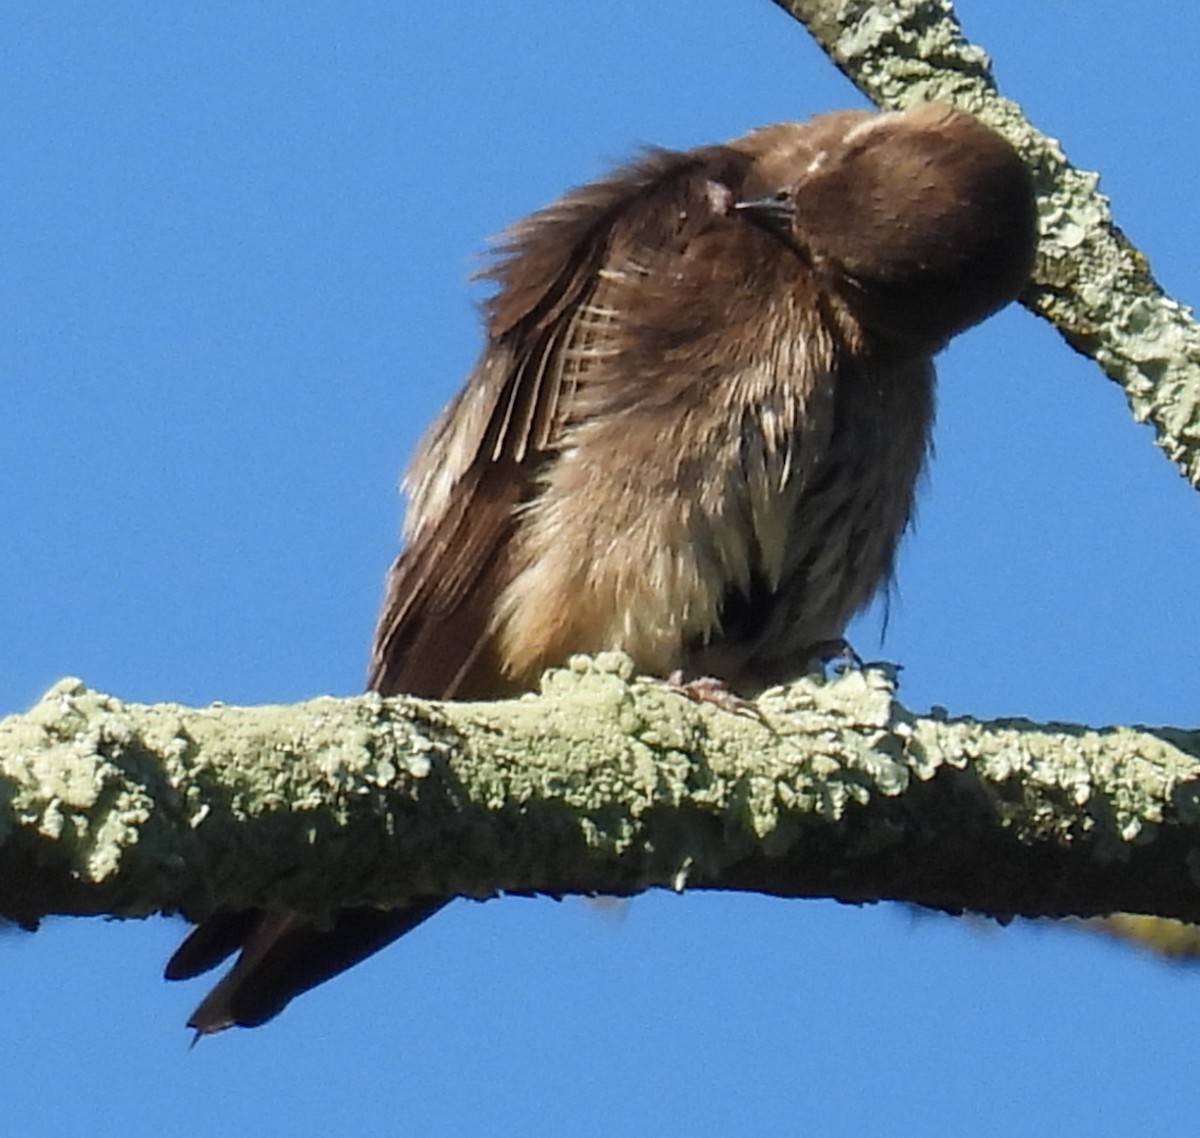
(568, 278)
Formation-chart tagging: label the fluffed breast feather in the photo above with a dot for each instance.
(583, 453)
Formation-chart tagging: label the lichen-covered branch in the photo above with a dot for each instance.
(600, 784)
(1090, 282)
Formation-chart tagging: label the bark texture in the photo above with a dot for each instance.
(602, 783)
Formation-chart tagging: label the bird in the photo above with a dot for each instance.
(694, 434)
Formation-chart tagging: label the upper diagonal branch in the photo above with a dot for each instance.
(1090, 282)
(600, 784)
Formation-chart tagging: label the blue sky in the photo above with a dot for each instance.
(236, 248)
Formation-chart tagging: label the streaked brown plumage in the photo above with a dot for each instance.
(694, 434)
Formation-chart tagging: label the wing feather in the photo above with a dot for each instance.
(568, 278)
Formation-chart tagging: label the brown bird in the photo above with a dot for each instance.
(694, 435)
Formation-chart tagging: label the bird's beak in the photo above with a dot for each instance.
(772, 213)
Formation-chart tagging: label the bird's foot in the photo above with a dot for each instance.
(709, 689)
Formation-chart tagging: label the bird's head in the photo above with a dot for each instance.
(923, 222)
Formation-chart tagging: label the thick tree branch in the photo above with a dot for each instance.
(600, 784)
(1090, 282)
